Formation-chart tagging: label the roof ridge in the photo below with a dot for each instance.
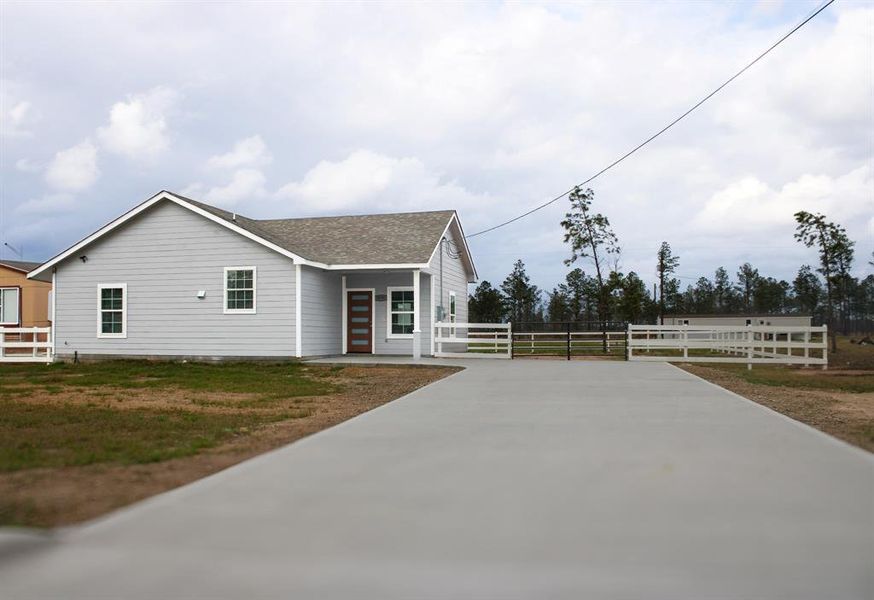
(388, 214)
(383, 214)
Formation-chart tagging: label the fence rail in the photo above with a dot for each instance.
(480, 340)
(566, 343)
(26, 344)
(751, 344)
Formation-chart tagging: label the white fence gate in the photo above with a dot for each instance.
(478, 340)
(26, 344)
(751, 344)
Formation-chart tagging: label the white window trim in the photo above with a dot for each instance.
(453, 312)
(100, 288)
(17, 307)
(388, 310)
(240, 311)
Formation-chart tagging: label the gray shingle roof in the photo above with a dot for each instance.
(19, 265)
(394, 238)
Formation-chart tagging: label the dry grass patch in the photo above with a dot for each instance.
(77, 441)
(826, 400)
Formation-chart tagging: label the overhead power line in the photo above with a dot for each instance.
(663, 129)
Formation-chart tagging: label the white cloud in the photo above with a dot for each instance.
(752, 205)
(16, 114)
(25, 165)
(245, 184)
(367, 180)
(138, 126)
(249, 152)
(19, 112)
(74, 169)
(49, 204)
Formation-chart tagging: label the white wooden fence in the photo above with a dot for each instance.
(473, 340)
(751, 344)
(26, 344)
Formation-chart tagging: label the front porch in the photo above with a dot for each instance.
(389, 312)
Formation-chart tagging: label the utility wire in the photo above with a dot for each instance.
(661, 131)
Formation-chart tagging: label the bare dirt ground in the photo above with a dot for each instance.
(49, 497)
(845, 415)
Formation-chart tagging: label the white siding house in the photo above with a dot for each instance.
(175, 278)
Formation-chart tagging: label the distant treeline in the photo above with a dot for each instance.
(827, 292)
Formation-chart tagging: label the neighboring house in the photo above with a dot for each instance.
(178, 278)
(739, 320)
(23, 302)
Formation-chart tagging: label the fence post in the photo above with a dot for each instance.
(685, 343)
(628, 341)
(825, 347)
(568, 340)
(750, 338)
(806, 348)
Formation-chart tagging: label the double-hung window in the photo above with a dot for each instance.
(112, 310)
(9, 302)
(400, 312)
(240, 290)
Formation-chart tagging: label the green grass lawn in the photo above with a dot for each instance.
(77, 441)
(40, 428)
(38, 436)
(268, 380)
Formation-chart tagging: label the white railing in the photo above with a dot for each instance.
(26, 344)
(493, 340)
(751, 344)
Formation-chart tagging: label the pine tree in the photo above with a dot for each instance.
(666, 264)
(486, 305)
(521, 297)
(807, 290)
(835, 257)
(748, 279)
(590, 236)
(558, 308)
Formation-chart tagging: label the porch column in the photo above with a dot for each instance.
(417, 329)
(343, 316)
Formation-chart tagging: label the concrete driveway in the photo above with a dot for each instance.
(522, 479)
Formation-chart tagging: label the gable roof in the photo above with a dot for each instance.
(19, 265)
(398, 240)
(350, 240)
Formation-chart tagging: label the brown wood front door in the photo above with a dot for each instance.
(359, 321)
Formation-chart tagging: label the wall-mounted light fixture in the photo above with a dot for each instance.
(201, 294)
(84, 258)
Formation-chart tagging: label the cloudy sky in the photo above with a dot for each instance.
(283, 110)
